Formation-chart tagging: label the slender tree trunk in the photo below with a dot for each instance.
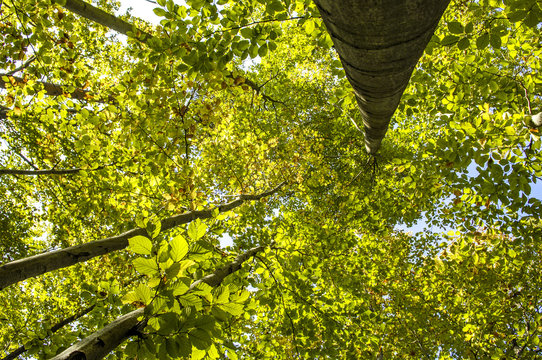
(22, 349)
(379, 43)
(22, 269)
(105, 340)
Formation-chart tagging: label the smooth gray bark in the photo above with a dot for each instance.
(22, 269)
(95, 14)
(379, 43)
(105, 340)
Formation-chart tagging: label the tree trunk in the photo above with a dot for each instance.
(379, 43)
(22, 269)
(105, 340)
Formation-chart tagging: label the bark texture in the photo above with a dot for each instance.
(102, 342)
(95, 14)
(22, 269)
(105, 340)
(379, 43)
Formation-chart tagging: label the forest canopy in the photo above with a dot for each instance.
(201, 188)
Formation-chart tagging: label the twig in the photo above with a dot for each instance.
(23, 66)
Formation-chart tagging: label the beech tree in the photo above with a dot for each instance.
(239, 180)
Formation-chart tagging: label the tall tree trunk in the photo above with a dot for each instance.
(379, 43)
(105, 340)
(22, 269)
(22, 349)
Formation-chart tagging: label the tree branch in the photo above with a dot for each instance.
(104, 18)
(45, 172)
(22, 269)
(23, 66)
(97, 345)
(53, 329)
(50, 89)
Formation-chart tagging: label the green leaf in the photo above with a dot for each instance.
(533, 18)
(309, 26)
(130, 298)
(200, 339)
(180, 288)
(143, 293)
(140, 245)
(517, 15)
(179, 248)
(246, 33)
(482, 42)
(219, 314)
(190, 300)
(202, 289)
(173, 270)
(449, 40)
(172, 347)
(146, 266)
(463, 44)
(223, 294)
(197, 229)
(185, 347)
(205, 322)
(232, 308)
(153, 228)
(262, 51)
(243, 45)
(185, 264)
(159, 12)
(455, 27)
(495, 41)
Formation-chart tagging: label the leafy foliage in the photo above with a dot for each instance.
(234, 97)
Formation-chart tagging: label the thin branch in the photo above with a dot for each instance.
(27, 160)
(259, 22)
(257, 88)
(22, 349)
(23, 66)
(50, 89)
(46, 172)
